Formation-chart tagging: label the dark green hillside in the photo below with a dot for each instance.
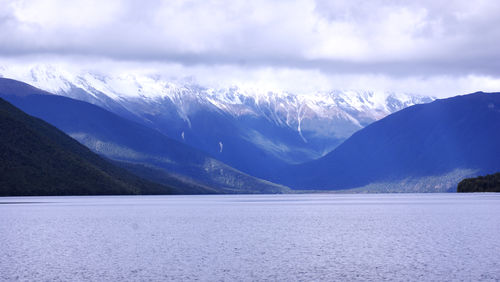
(488, 183)
(38, 159)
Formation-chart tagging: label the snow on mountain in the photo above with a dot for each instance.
(282, 108)
(278, 127)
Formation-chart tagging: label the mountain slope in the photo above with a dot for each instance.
(253, 131)
(458, 135)
(38, 159)
(123, 140)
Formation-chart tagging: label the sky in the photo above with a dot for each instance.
(439, 48)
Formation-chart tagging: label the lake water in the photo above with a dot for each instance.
(251, 237)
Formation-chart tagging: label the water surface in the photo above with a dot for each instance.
(251, 237)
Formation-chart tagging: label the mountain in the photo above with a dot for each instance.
(428, 147)
(254, 131)
(143, 149)
(488, 183)
(38, 159)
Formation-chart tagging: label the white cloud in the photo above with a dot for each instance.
(302, 44)
(262, 79)
(58, 14)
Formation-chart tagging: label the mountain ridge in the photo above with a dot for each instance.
(248, 129)
(123, 140)
(429, 140)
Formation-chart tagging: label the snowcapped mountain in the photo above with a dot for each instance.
(253, 131)
(137, 148)
(424, 148)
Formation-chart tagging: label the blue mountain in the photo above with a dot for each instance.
(145, 151)
(252, 130)
(427, 147)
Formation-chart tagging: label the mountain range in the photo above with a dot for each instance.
(145, 151)
(423, 148)
(253, 131)
(228, 140)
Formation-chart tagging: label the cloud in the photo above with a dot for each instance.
(260, 79)
(421, 40)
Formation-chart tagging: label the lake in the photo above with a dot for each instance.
(251, 237)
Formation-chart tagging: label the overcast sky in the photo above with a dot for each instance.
(429, 47)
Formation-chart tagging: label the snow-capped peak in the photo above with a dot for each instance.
(281, 107)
